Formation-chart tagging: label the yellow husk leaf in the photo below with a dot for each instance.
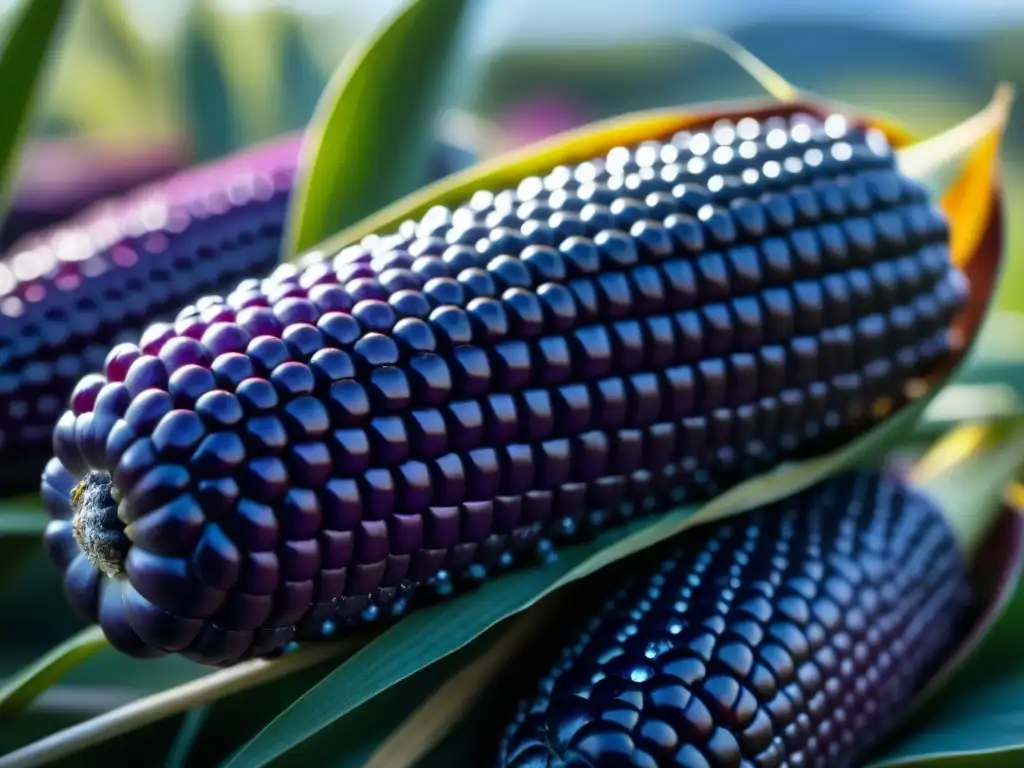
(1015, 497)
(968, 200)
(950, 451)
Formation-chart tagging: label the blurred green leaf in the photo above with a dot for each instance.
(990, 383)
(233, 720)
(18, 693)
(207, 95)
(112, 726)
(302, 74)
(23, 59)
(248, 50)
(370, 140)
(112, 32)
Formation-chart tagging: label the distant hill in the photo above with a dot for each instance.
(814, 52)
(818, 55)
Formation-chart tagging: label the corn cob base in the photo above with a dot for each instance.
(641, 330)
(794, 635)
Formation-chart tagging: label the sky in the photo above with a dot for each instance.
(569, 22)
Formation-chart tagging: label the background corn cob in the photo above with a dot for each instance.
(60, 178)
(617, 336)
(793, 635)
(71, 293)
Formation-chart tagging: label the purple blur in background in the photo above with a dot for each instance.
(60, 178)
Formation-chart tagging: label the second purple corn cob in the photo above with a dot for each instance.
(794, 635)
(303, 453)
(69, 294)
(61, 178)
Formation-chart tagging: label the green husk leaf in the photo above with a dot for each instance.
(351, 742)
(453, 701)
(424, 637)
(18, 693)
(23, 60)
(981, 458)
(369, 140)
(967, 473)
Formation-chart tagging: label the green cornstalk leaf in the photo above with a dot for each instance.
(19, 692)
(23, 59)
(206, 92)
(370, 137)
(168, 703)
(191, 726)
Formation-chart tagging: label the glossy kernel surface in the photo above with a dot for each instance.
(369, 430)
(792, 635)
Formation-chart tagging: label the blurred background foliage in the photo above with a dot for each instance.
(180, 81)
(205, 77)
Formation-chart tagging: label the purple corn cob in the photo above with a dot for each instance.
(795, 635)
(302, 454)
